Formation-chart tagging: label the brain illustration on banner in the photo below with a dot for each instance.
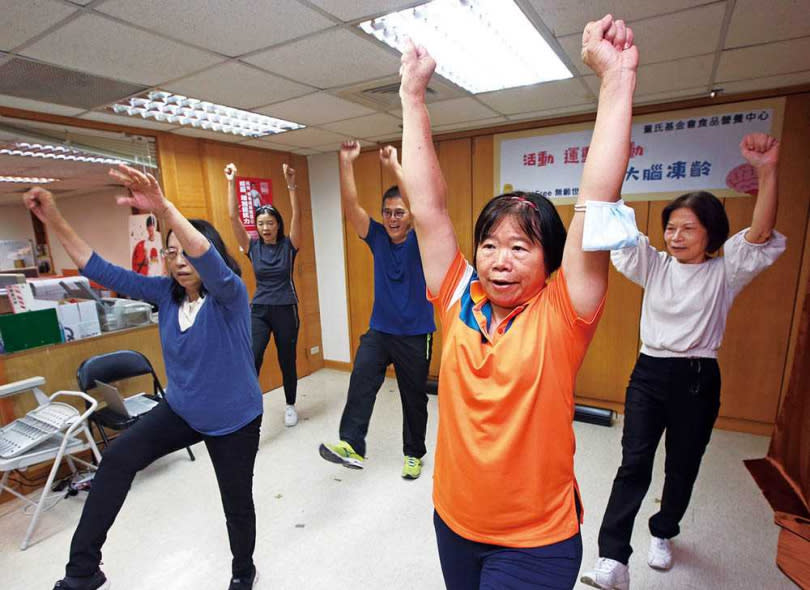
(743, 179)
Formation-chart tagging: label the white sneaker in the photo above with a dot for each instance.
(290, 416)
(608, 574)
(660, 555)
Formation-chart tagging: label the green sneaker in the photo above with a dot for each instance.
(342, 453)
(412, 468)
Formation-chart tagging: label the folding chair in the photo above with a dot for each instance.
(64, 419)
(111, 367)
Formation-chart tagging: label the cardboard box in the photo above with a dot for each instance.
(79, 320)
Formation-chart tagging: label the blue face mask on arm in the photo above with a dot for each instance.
(608, 226)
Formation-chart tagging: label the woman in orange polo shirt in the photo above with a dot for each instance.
(507, 509)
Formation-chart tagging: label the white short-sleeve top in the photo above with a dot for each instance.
(684, 310)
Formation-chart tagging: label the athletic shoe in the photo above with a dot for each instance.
(608, 574)
(412, 468)
(290, 416)
(660, 555)
(342, 453)
(244, 582)
(98, 581)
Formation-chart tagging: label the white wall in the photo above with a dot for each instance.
(103, 224)
(327, 227)
(15, 224)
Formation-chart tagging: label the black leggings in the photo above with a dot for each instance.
(281, 320)
(156, 434)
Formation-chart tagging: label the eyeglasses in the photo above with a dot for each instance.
(264, 209)
(395, 213)
(171, 253)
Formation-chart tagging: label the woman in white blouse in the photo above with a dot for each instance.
(675, 385)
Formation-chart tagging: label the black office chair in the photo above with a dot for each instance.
(111, 367)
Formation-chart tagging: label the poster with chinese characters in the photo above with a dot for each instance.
(670, 153)
(145, 244)
(252, 193)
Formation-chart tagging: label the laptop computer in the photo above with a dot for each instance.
(132, 406)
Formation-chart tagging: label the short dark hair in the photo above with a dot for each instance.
(709, 211)
(212, 235)
(536, 216)
(150, 220)
(391, 193)
(270, 210)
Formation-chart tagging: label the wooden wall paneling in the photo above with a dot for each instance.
(759, 325)
(612, 354)
(794, 177)
(182, 174)
(359, 262)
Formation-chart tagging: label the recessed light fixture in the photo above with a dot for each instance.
(480, 45)
(56, 152)
(176, 109)
(27, 179)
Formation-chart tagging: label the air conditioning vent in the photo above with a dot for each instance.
(384, 94)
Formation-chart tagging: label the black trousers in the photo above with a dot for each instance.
(411, 358)
(682, 397)
(156, 434)
(281, 320)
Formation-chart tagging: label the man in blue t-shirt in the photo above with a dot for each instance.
(401, 327)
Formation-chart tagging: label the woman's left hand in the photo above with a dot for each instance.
(289, 175)
(760, 150)
(144, 190)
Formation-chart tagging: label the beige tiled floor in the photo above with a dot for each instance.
(321, 526)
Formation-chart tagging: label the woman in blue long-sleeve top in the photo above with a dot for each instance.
(212, 395)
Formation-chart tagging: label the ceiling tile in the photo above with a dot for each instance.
(213, 135)
(670, 95)
(754, 22)
(765, 83)
(674, 75)
(783, 57)
(314, 109)
(556, 112)
(306, 152)
(107, 117)
(309, 137)
(464, 125)
(40, 107)
(335, 146)
(333, 58)
(363, 9)
(458, 110)
(538, 97)
(234, 29)
(100, 46)
(23, 20)
(565, 18)
(386, 138)
(266, 144)
(365, 127)
(237, 85)
(664, 38)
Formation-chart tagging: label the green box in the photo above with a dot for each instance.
(19, 331)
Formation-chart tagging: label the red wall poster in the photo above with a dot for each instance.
(252, 193)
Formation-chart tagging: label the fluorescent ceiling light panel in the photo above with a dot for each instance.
(200, 114)
(480, 45)
(27, 179)
(56, 152)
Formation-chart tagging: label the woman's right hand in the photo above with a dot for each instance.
(41, 202)
(349, 150)
(230, 172)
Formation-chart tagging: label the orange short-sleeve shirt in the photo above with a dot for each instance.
(504, 470)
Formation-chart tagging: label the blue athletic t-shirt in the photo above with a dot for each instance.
(400, 302)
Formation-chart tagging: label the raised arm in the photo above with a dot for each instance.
(424, 186)
(145, 194)
(607, 48)
(242, 237)
(762, 152)
(355, 214)
(295, 222)
(42, 204)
